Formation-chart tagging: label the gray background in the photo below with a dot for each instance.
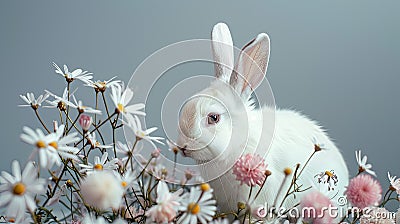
(337, 61)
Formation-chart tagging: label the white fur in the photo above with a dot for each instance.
(284, 137)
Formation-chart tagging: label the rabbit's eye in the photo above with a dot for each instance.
(213, 118)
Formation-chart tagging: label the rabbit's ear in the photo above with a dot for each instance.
(222, 48)
(251, 66)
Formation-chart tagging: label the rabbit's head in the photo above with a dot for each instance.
(216, 118)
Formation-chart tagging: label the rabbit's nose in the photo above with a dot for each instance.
(183, 150)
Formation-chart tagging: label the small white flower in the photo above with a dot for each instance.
(327, 178)
(32, 102)
(18, 190)
(50, 146)
(84, 109)
(362, 163)
(102, 190)
(121, 99)
(395, 183)
(101, 86)
(60, 102)
(136, 126)
(76, 74)
(99, 164)
(126, 180)
(198, 206)
(96, 144)
(222, 221)
(167, 204)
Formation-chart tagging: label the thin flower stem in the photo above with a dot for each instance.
(294, 179)
(76, 128)
(105, 103)
(280, 190)
(34, 217)
(261, 187)
(41, 121)
(68, 97)
(73, 123)
(72, 212)
(61, 118)
(305, 164)
(127, 206)
(96, 106)
(131, 154)
(56, 185)
(174, 171)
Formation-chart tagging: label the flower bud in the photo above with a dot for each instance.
(85, 121)
(287, 171)
(241, 205)
(156, 153)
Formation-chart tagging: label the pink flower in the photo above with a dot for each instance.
(363, 191)
(250, 169)
(315, 208)
(259, 212)
(85, 121)
(167, 204)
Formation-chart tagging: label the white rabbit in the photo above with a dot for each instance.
(218, 124)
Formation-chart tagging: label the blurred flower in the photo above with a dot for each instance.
(198, 206)
(362, 164)
(76, 74)
(136, 126)
(60, 102)
(364, 191)
(156, 153)
(377, 216)
(19, 190)
(315, 204)
(121, 98)
(96, 144)
(32, 102)
(85, 121)
(100, 164)
(250, 169)
(101, 86)
(394, 183)
(50, 146)
(102, 190)
(167, 203)
(56, 197)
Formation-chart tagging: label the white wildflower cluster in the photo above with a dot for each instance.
(78, 173)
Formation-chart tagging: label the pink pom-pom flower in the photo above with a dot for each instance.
(250, 169)
(364, 191)
(315, 207)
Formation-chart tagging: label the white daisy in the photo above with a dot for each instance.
(84, 109)
(76, 74)
(60, 102)
(167, 205)
(32, 102)
(362, 164)
(121, 98)
(394, 183)
(96, 144)
(198, 205)
(222, 221)
(50, 147)
(101, 86)
(136, 126)
(18, 190)
(99, 164)
(126, 180)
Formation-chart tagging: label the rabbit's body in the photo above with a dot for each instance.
(220, 123)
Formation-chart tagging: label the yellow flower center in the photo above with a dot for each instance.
(194, 208)
(328, 173)
(98, 167)
(124, 183)
(287, 171)
(141, 134)
(121, 108)
(54, 145)
(40, 144)
(205, 187)
(19, 189)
